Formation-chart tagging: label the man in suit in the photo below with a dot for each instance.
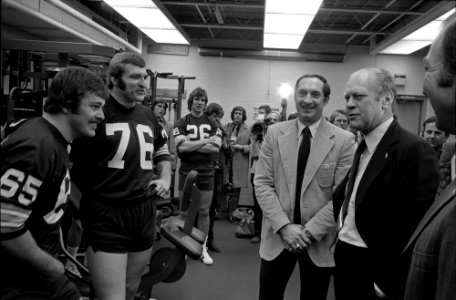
(391, 184)
(432, 272)
(295, 194)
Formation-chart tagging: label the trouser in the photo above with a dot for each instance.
(274, 276)
(258, 217)
(353, 278)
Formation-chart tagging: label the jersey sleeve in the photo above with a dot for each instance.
(21, 182)
(180, 128)
(161, 151)
(216, 131)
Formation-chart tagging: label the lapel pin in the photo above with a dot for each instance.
(386, 155)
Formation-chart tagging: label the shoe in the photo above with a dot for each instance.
(255, 240)
(71, 268)
(205, 257)
(212, 246)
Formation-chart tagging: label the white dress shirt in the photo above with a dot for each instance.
(348, 232)
(313, 130)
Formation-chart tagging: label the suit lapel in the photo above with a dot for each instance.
(444, 198)
(378, 161)
(321, 145)
(288, 151)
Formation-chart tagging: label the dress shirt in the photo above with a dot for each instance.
(348, 232)
(313, 130)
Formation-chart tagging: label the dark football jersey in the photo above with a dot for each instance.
(194, 129)
(35, 185)
(117, 164)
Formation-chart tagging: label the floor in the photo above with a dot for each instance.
(233, 276)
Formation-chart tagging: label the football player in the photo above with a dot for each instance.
(35, 185)
(198, 139)
(115, 173)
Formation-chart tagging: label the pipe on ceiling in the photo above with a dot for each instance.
(90, 22)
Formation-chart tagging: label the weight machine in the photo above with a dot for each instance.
(174, 102)
(28, 66)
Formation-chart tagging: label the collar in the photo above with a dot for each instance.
(313, 128)
(373, 138)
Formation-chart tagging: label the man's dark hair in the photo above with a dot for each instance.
(214, 108)
(197, 92)
(69, 85)
(448, 74)
(118, 62)
(326, 88)
(156, 101)
(241, 109)
(266, 108)
(429, 120)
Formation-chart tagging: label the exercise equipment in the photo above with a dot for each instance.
(168, 264)
(176, 103)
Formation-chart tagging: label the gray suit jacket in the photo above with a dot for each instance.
(432, 273)
(330, 158)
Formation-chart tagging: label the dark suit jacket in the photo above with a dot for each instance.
(432, 272)
(397, 188)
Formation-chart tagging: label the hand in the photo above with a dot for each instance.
(283, 103)
(293, 237)
(161, 186)
(237, 147)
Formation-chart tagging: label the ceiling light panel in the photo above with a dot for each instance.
(282, 41)
(286, 22)
(418, 39)
(308, 7)
(148, 18)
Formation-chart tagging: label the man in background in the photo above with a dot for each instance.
(215, 111)
(198, 140)
(434, 136)
(339, 118)
(159, 107)
(433, 245)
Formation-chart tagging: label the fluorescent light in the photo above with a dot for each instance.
(145, 17)
(131, 3)
(309, 7)
(165, 36)
(148, 18)
(418, 39)
(426, 33)
(286, 22)
(282, 41)
(405, 47)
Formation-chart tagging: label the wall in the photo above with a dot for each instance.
(252, 82)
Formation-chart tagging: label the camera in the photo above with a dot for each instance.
(258, 129)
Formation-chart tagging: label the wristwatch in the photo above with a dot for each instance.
(309, 236)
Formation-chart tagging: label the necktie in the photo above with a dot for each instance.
(303, 155)
(351, 179)
(237, 130)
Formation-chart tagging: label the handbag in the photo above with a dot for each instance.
(246, 226)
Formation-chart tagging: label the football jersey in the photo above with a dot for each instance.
(35, 186)
(117, 164)
(194, 129)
